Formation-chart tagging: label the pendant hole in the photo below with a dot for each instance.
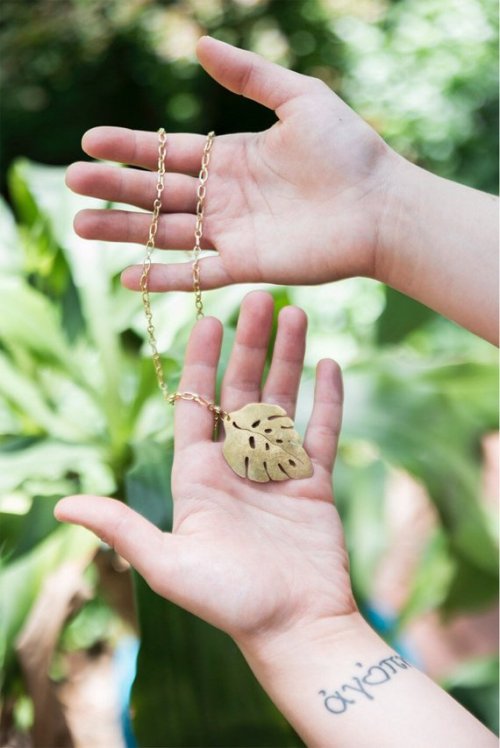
(268, 431)
(247, 461)
(255, 424)
(267, 446)
(251, 441)
(279, 441)
(291, 462)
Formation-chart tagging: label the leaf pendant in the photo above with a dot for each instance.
(262, 445)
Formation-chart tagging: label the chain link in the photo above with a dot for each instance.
(146, 267)
(217, 411)
(198, 231)
(194, 397)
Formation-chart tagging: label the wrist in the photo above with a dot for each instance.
(398, 206)
(339, 684)
(438, 243)
(316, 671)
(268, 651)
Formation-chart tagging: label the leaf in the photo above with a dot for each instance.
(431, 581)
(262, 445)
(10, 259)
(419, 425)
(471, 588)
(23, 392)
(359, 493)
(400, 317)
(42, 255)
(19, 533)
(24, 314)
(475, 684)
(193, 686)
(48, 461)
(481, 671)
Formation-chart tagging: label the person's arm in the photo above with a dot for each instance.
(317, 197)
(267, 562)
(341, 686)
(440, 246)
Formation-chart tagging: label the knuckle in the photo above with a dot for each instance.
(326, 431)
(246, 79)
(116, 531)
(242, 385)
(319, 87)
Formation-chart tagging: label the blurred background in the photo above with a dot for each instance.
(417, 474)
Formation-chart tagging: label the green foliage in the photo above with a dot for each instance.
(21, 580)
(65, 436)
(78, 403)
(475, 685)
(400, 317)
(414, 404)
(422, 71)
(184, 662)
(426, 75)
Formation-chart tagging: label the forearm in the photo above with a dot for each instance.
(439, 245)
(340, 685)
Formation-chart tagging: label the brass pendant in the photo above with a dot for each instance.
(262, 445)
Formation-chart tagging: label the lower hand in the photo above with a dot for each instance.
(251, 559)
(301, 203)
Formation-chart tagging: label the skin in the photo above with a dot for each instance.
(317, 197)
(246, 531)
(267, 563)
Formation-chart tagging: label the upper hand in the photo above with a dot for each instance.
(249, 558)
(300, 203)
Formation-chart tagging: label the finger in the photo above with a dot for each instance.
(283, 380)
(179, 277)
(150, 551)
(132, 186)
(324, 426)
(242, 381)
(174, 231)
(250, 75)
(193, 422)
(140, 148)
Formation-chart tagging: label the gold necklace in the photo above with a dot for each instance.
(261, 442)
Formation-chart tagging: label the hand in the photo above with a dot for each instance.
(267, 563)
(251, 559)
(301, 203)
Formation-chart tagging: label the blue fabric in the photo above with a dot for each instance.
(124, 663)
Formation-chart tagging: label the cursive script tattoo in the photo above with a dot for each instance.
(338, 702)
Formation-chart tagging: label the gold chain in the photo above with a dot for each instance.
(144, 280)
(198, 231)
(146, 267)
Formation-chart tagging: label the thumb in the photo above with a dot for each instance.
(250, 75)
(150, 551)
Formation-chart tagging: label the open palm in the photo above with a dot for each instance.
(245, 557)
(299, 203)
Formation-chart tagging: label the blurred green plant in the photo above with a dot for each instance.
(78, 397)
(424, 72)
(426, 76)
(78, 402)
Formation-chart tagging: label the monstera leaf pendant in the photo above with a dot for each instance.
(261, 444)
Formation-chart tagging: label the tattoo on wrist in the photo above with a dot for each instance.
(337, 702)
